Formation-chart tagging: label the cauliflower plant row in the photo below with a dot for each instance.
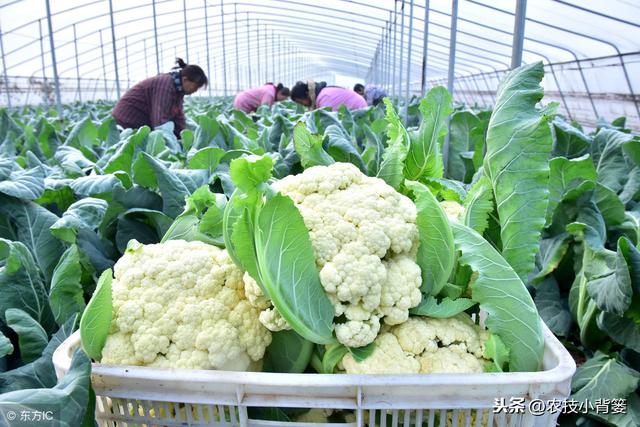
(185, 304)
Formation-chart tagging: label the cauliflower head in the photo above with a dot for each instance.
(453, 209)
(182, 304)
(425, 345)
(364, 237)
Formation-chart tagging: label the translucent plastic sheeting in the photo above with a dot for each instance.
(241, 43)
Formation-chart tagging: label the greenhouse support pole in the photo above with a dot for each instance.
(258, 51)
(186, 35)
(401, 49)
(4, 70)
(44, 74)
(425, 48)
(280, 62)
(113, 44)
(224, 48)
(408, 82)
(273, 57)
(53, 62)
(104, 66)
(518, 33)
(126, 60)
(235, 36)
(452, 46)
(395, 45)
(155, 36)
(75, 48)
(450, 76)
(266, 54)
(146, 61)
(249, 50)
(206, 42)
(389, 56)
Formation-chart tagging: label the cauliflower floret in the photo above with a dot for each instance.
(364, 237)
(454, 210)
(387, 358)
(452, 345)
(182, 305)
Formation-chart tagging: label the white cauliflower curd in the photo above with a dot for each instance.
(182, 304)
(365, 240)
(425, 345)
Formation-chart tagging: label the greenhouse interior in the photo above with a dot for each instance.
(320, 213)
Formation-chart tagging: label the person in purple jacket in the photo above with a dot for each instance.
(158, 100)
(249, 100)
(318, 95)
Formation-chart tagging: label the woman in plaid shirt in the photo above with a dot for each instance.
(159, 99)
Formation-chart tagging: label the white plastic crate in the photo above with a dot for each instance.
(142, 396)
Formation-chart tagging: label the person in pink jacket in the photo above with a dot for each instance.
(318, 95)
(250, 99)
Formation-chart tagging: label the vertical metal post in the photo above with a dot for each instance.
(259, 56)
(75, 48)
(224, 48)
(518, 33)
(146, 61)
(389, 57)
(235, 25)
(425, 48)
(273, 58)
(186, 35)
(53, 61)
(266, 51)
(451, 75)
(104, 66)
(206, 36)
(249, 51)
(280, 64)
(452, 46)
(395, 44)
(408, 82)
(113, 44)
(126, 57)
(401, 50)
(155, 36)
(4, 70)
(44, 74)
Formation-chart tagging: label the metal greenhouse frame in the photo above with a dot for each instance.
(406, 46)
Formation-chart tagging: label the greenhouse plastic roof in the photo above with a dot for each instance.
(334, 40)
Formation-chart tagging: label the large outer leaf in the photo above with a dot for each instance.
(569, 142)
(341, 148)
(551, 308)
(29, 224)
(568, 179)
(393, 158)
(309, 147)
(460, 141)
(66, 296)
(436, 254)
(517, 162)
(96, 319)
(31, 337)
(174, 187)
(68, 399)
(512, 315)
(478, 205)
(86, 213)
(288, 270)
(609, 157)
(21, 286)
(41, 373)
(608, 281)
(24, 184)
(603, 377)
(425, 153)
